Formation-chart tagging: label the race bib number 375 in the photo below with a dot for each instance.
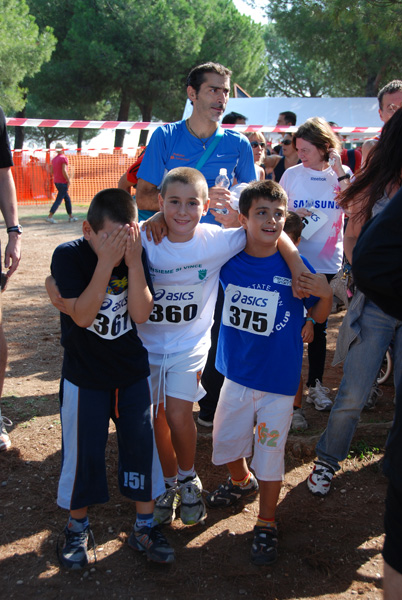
(250, 310)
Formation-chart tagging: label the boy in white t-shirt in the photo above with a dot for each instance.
(184, 269)
(260, 351)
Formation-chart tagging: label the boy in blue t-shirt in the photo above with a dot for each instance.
(260, 353)
(104, 284)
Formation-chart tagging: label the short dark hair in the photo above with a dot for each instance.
(390, 88)
(114, 204)
(293, 225)
(232, 118)
(185, 175)
(196, 77)
(290, 117)
(261, 189)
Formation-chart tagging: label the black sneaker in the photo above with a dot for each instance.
(228, 493)
(264, 550)
(151, 541)
(74, 554)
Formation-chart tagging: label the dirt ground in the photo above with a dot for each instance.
(329, 548)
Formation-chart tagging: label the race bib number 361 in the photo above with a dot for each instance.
(113, 319)
(250, 310)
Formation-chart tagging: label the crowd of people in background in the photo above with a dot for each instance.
(136, 305)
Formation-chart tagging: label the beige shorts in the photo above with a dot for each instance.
(234, 433)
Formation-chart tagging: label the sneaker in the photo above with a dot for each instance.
(5, 441)
(151, 541)
(319, 481)
(298, 420)
(317, 395)
(72, 219)
(192, 509)
(74, 554)
(228, 493)
(264, 550)
(371, 401)
(50, 220)
(204, 422)
(165, 506)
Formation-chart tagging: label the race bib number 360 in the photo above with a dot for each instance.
(176, 304)
(113, 319)
(250, 310)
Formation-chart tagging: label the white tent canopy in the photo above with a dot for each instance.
(346, 112)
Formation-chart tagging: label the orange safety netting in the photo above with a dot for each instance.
(89, 172)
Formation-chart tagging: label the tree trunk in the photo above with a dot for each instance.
(146, 111)
(373, 84)
(80, 137)
(122, 116)
(19, 131)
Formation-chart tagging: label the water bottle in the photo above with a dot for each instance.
(222, 180)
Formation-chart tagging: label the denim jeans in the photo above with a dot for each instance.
(62, 193)
(360, 370)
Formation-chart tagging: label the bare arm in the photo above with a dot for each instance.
(352, 232)
(124, 183)
(147, 196)
(54, 294)
(9, 209)
(65, 173)
(291, 256)
(367, 145)
(140, 301)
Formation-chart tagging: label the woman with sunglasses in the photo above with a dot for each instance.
(312, 188)
(258, 145)
(277, 165)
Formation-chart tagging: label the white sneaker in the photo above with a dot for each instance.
(317, 395)
(72, 219)
(166, 505)
(5, 441)
(298, 420)
(192, 509)
(51, 220)
(319, 481)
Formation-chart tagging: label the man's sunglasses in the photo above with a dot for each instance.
(256, 144)
(286, 142)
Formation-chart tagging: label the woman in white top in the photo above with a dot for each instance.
(312, 188)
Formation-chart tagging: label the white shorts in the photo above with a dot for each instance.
(178, 374)
(234, 429)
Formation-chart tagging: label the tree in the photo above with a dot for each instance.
(23, 50)
(356, 43)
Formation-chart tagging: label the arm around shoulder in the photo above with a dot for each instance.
(147, 195)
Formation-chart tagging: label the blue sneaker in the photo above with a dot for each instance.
(152, 541)
(74, 554)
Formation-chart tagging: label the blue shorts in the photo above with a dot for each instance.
(85, 416)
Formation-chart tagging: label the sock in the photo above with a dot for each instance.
(242, 482)
(77, 524)
(183, 475)
(146, 520)
(170, 481)
(261, 522)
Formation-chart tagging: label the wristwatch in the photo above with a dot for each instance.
(15, 229)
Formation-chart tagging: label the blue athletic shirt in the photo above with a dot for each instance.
(248, 353)
(172, 146)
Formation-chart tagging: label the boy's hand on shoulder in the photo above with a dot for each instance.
(230, 220)
(111, 248)
(315, 284)
(155, 228)
(132, 255)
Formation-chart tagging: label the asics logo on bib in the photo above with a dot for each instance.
(106, 303)
(175, 296)
(249, 300)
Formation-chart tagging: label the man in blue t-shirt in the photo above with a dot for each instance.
(260, 353)
(182, 144)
